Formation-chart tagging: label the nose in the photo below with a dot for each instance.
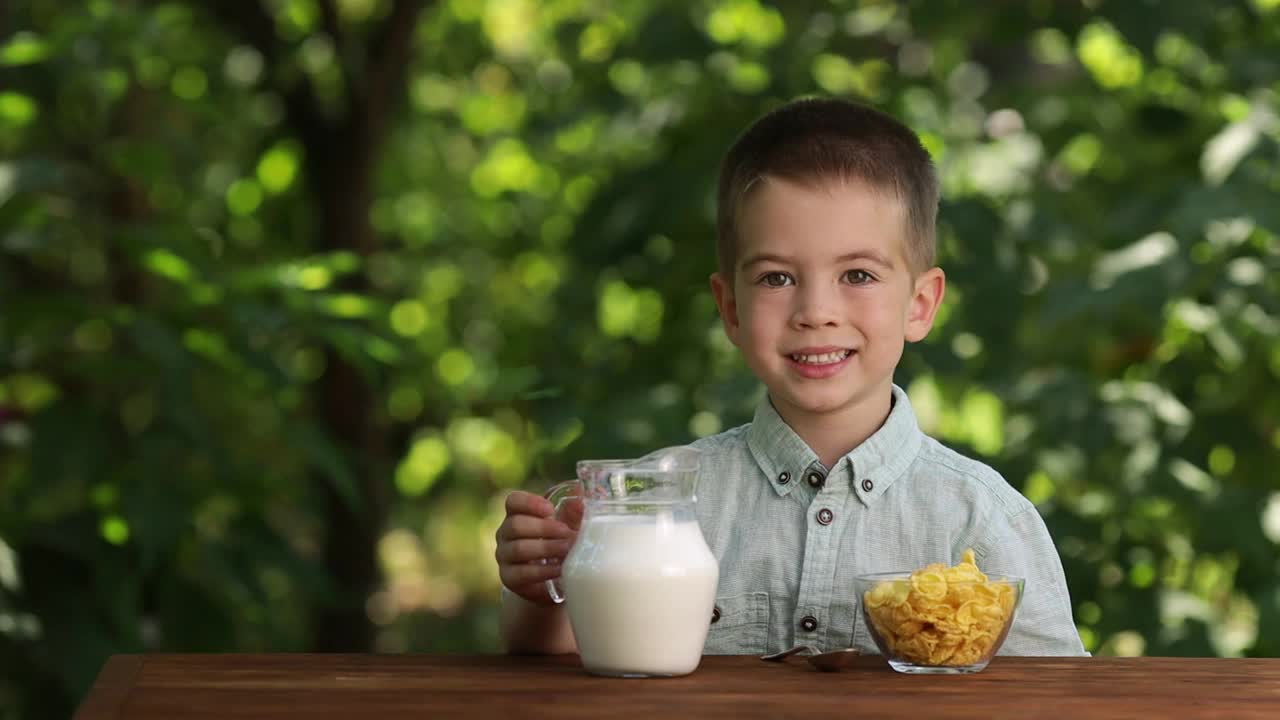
(815, 306)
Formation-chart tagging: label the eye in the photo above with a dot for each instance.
(858, 277)
(775, 279)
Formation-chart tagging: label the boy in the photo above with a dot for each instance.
(825, 248)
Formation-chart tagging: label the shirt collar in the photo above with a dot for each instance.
(872, 466)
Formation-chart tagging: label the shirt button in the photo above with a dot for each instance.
(815, 480)
(809, 623)
(784, 478)
(715, 615)
(867, 485)
(825, 516)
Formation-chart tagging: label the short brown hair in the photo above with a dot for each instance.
(822, 139)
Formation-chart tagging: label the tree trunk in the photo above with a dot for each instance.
(342, 166)
(346, 405)
(341, 159)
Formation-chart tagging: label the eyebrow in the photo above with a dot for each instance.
(870, 255)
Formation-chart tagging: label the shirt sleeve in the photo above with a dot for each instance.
(1043, 624)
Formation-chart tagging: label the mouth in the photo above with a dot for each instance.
(819, 363)
(818, 359)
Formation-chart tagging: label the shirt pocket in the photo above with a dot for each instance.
(739, 626)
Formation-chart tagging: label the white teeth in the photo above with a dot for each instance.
(823, 359)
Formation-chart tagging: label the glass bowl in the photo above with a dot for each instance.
(931, 625)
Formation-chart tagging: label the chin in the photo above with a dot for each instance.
(817, 406)
(825, 408)
(818, 401)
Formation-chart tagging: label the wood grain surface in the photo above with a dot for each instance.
(387, 687)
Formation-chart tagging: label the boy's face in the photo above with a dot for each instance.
(822, 298)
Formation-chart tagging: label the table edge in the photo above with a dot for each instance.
(111, 689)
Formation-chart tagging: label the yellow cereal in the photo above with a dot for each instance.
(962, 594)
(931, 585)
(941, 615)
(968, 614)
(888, 594)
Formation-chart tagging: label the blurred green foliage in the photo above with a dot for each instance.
(274, 273)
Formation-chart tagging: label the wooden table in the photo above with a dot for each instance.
(385, 687)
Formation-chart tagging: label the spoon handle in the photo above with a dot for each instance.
(779, 657)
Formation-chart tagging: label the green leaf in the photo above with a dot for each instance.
(23, 48)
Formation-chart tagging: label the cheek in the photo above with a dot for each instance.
(881, 318)
(761, 315)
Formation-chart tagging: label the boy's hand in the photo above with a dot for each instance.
(528, 534)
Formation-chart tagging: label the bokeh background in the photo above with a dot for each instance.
(295, 291)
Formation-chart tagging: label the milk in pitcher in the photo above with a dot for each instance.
(640, 592)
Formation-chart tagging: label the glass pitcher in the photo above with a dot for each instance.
(640, 581)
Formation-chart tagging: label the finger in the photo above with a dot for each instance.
(535, 593)
(571, 513)
(516, 576)
(526, 503)
(523, 551)
(518, 527)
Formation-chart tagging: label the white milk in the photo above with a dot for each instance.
(640, 591)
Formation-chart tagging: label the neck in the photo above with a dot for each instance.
(834, 434)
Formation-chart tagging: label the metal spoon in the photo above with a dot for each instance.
(829, 661)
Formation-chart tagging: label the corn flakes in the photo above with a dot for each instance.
(941, 615)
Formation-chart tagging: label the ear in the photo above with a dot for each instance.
(926, 298)
(722, 289)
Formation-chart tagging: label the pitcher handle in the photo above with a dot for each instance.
(558, 494)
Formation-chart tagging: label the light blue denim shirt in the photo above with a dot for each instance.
(790, 534)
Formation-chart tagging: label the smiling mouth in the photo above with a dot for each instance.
(826, 358)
